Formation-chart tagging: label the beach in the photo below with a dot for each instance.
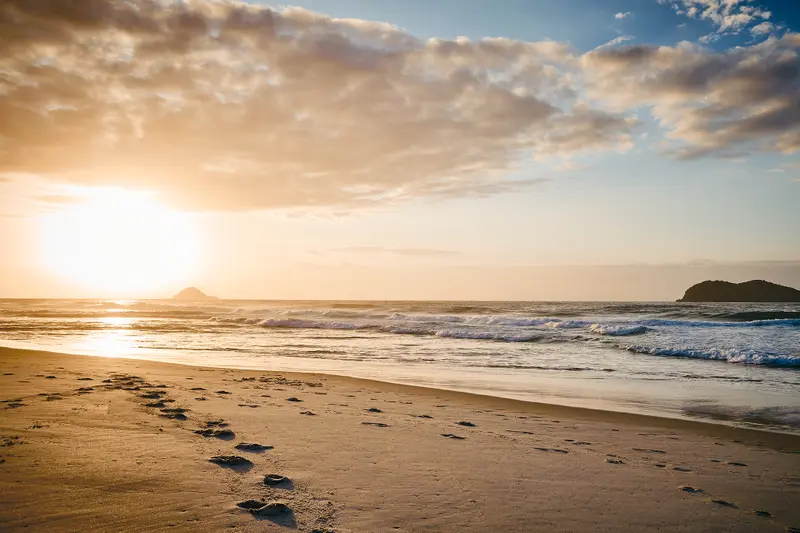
(111, 444)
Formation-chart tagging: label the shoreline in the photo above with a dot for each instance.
(609, 409)
(83, 437)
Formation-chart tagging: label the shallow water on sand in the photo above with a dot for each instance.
(736, 363)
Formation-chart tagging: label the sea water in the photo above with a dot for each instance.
(730, 363)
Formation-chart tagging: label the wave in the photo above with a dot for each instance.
(749, 316)
(719, 324)
(731, 356)
(618, 330)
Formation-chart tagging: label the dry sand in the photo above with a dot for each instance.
(81, 451)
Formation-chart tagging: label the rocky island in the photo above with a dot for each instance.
(748, 291)
(193, 294)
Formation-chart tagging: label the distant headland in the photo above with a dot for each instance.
(749, 291)
(193, 293)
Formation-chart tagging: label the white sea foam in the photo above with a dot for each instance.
(618, 329)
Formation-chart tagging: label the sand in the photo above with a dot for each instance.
(232, 450)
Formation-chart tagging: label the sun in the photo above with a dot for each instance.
(117, 242)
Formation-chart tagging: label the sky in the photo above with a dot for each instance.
(354, 149)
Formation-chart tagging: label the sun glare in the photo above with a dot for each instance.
(119, 243)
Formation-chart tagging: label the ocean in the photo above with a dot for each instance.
(727, 363)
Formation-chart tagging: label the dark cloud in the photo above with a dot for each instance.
(236, 106)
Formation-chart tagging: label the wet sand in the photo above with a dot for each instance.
(103, 444)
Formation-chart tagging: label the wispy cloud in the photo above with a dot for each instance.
(615, 41)
(621, 15)
(416, 252)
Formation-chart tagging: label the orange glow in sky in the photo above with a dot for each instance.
(119, 242)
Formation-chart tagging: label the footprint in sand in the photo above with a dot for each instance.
(681, 469)
(734, 463)
(49, 377)
(293, 399)
(690, 489)
(84, 379)
(152, 395)
(197, 388)
(765, 514)
(724, 503)
(648, 450)
(615, 461)
(453, 436)
(308, 413)
(252, 447)
(275, 479)
(224, 434)
(520, 432)
(14, 405)
(250, 405)
(555, 450)
(376, 424)
(156, 404)
(176, 413)
(265, 509)
(222, 392)
(465, 423)
(373, 410)
(230, 461)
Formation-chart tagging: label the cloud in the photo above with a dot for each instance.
(621, 16)
(416, 252)
(765, 28)
(727, 16)
(225, 105)
(721, 104)
(615, 41)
